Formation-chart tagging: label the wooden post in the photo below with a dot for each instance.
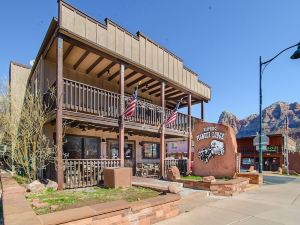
(121, 119)
(59, 103)
(162, 134)
(189, 132)
(202, 110)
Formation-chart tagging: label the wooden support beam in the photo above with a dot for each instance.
(68, 51)
(178, 97)
(155, 91)
(84, 55)
(146, 83)
(108, 67)
(94, 64)
(121, 119)
(133, 73)
(189, 133)
(59, 119)
(172, 94)
(162, 134)
(151, 87)
(168, 90)
(136, 80)
(114, 75)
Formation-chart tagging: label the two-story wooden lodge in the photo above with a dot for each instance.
(95, 67)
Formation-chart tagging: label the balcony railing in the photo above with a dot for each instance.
(80, 97)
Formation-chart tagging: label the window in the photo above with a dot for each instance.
(248, 161)
(150, 150)
(77, 147)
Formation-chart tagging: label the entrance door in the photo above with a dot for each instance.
(129, 152)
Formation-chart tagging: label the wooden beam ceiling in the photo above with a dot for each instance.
(113, 76)
(178, 97)
(175, 92)
(151, 87)
(146, 83)
(136, 80)
(133, 73)
(154, 91)
(79, 61)
(168, 90)
(94, 64)
(68, 51)
(107, 68)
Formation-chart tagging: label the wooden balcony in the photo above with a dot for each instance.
(103, 107)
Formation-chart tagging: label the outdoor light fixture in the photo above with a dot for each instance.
(296, 55)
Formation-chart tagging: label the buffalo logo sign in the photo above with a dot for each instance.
(215, 148)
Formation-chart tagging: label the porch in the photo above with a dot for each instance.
(80, 173)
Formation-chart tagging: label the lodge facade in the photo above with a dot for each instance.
(94, 68)
(273, 156)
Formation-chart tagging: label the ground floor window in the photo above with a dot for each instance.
(150, 150)
(79, 147)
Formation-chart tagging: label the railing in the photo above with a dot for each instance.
(86, 172)
(84, 98)
(181, 164)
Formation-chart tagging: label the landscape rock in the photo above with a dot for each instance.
(209, 179)
(175, 189)
(35, 187)
(51, 185)
(40, 204)
(251, 168)
(54, 207)
(173, 173)
(35, 200)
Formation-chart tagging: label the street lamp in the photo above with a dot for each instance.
(296, 55)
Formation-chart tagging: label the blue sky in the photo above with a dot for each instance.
(220, 40)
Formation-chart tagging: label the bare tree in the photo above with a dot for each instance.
(29, 149)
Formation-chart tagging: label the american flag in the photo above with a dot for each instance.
(130, 109)
(172, 117)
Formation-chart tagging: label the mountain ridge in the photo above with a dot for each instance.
(273, 120)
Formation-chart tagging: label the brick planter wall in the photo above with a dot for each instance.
(193, 184)
(17, 210)
(223, 188)
(230, 187)
(255, 178)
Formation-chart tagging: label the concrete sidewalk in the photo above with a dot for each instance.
(275, 203)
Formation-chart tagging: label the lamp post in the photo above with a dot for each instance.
(296, 55)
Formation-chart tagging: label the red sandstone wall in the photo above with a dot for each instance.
(220, 165)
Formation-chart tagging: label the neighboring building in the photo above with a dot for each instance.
(18, 77)
(95, 68)
(178, 148)
(273, 157)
